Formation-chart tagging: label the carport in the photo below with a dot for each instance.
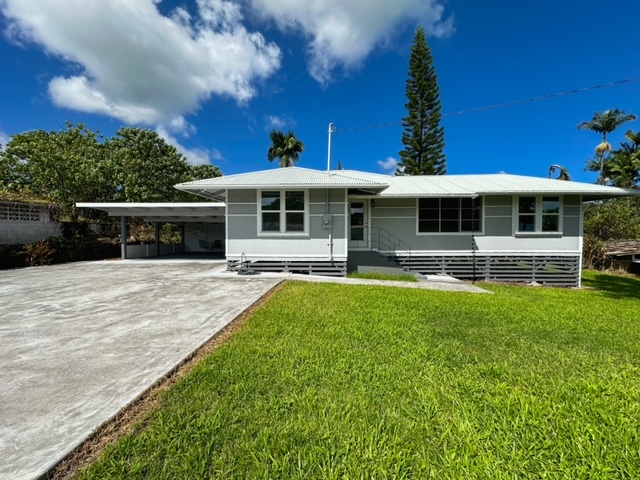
(202, 224)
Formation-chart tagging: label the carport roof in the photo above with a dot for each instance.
(162, 212)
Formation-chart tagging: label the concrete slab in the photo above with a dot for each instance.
(427, 282)
(81, 341)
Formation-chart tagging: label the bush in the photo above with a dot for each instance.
(40, 253)
(13, 256)
(57, 250)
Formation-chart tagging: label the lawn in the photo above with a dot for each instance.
(334, 381)
(397, 277)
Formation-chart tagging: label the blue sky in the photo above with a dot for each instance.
(214, 76)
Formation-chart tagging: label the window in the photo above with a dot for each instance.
(449, 215)
(282, 211)
(538, 214)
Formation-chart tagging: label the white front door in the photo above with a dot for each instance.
(358, 224)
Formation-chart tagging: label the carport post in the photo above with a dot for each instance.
(157, 239)
(123, 235)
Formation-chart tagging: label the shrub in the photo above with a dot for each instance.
(40, 253)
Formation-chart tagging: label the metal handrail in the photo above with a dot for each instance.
(377, 238)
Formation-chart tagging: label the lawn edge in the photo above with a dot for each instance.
(132, 415)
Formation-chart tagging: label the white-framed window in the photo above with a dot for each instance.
(449, 215)
(282, 212)
(538, 214)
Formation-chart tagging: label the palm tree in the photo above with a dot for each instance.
(605, 123)
(285, 147)
(564, 173)
(623, 165)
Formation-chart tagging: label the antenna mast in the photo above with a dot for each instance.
(331, 130)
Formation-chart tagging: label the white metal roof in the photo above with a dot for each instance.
(292, 177)
(488, 184)
(162, 212)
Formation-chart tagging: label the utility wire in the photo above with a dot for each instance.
(502, 105)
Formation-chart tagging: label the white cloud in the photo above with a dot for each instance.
(4, 139)
(216, 155)
(344, 32)
(195, 156)
(275, 122)
(389, 165)
(137, 65)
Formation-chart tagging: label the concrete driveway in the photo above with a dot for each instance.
(80, 341)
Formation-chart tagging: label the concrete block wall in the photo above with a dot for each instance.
(27, 232)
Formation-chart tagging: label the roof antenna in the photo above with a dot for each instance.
(331, 130)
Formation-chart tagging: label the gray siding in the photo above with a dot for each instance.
(241, 196)
(399, 217)
(243, 236)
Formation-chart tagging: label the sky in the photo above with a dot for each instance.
(214, 77)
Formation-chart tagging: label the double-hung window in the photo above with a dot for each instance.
(538, 214)
(282, 211)
(449, 215)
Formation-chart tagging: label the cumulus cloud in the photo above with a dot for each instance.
(343, 33)
(195, 156)
(389, 165)
(135, 64)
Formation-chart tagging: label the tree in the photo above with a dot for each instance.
(144, 167)
(623, 165)
(62, 167)
(605, 123)
(423, 137)
(202, 172)
(563, 172)
(285, 147)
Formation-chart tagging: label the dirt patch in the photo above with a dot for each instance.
(136, 413)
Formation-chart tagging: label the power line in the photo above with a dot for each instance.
(502, 105)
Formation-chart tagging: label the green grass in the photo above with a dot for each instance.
(334, 381)
(398, 277)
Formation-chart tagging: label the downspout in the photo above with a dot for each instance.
(473, 236)
(327, 218)
(327, 214)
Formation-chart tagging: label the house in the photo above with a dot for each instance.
(24, 222)
(495, 227)
(624, 254)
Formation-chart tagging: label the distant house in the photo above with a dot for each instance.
(493, 227)
(624, 253)
(23, 221)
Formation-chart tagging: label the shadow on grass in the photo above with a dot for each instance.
(614, 286)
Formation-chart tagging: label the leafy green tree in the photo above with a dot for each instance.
(285, 147)
(201, 172)
(605, 123)
(423, 137)
(623, 165)
(609, 220)
(62, 167)
(144, 167)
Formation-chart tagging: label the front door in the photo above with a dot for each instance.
(358, 231)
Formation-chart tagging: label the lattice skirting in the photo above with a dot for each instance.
(557, 270)
(312, 267)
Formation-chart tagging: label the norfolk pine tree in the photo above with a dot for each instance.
(423, 138)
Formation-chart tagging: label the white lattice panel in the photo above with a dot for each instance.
(20, 212)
